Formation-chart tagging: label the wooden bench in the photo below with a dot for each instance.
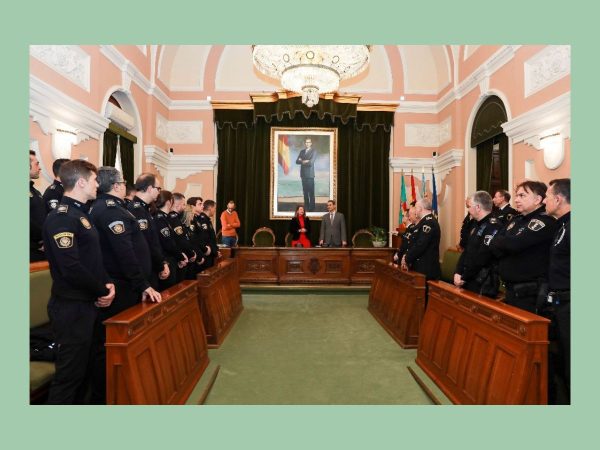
(156, 352)
(40, 284)
(397, 301)
(480, 351)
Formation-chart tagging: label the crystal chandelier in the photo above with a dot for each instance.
(311, 70)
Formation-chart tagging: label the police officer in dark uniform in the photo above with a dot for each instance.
(407, 235)
(197, 206)
(182, 234)
(523, 248)
(502, 209)
(37, 212)
(80, 285)
(55, 191)
(557, 307)
(147, 190)
(466, 227)
(477, 268)
(207, 238)
(126, 256)
(423, 254)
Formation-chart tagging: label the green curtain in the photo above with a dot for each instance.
(110, 148)
(484, 165)
(127, 159)
(244, 166)
(503, 141)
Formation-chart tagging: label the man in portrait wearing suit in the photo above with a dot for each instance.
(306, 159)
(333, 228)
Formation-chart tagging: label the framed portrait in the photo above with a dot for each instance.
(303, 170)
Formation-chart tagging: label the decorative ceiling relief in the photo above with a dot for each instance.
(68, 60)
(178, 132)
(546, 67)
(428, 135)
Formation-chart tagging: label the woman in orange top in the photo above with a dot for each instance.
(300, 228)
(230, 222)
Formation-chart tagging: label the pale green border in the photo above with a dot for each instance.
(372, 22)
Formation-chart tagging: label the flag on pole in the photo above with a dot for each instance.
(434, 204)
(413, 191)
(118, 163)
(423, 183)
(283, 153)
(402, 198)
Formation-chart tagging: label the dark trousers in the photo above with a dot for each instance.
(526, 302)
(74, 325)
(308, 187)
(559, 353)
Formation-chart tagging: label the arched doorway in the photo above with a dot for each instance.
(491, 144)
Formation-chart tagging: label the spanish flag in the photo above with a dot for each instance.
(284, 153)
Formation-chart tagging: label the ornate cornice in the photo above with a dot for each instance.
(545, 67)
(428, 135)
(442, 165)
(178, 132)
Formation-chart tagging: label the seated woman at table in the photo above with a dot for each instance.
(300, 228)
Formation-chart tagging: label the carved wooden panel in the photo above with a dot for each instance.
(479, 351)
(156, 353)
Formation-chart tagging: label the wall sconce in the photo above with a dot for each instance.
(554, 150)
(62, 141)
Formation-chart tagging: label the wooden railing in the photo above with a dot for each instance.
(156, 352)
(397, 301)
(220, 300)
(479, 351)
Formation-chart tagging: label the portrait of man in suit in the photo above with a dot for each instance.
(306, 159)
(333, 228)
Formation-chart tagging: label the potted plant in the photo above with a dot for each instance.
(379, 236)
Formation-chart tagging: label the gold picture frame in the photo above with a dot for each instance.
(297, 155)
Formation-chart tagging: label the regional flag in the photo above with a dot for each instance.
(403, 206)
(283, 153)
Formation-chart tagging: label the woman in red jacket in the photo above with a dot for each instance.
(300, 228)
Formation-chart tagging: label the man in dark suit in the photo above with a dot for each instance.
(333, 228)
(306, 159)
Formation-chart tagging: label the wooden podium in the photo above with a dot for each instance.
(397, 301)
(156, 352)
(480, 351)
(220, 300)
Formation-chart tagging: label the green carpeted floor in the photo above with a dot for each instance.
(311, 348)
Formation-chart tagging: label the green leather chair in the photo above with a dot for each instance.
(449, 261)
(288, 240)
(263, 237)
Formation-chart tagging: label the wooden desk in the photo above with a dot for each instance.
(220, 300)
(156, 352)
(285, 265)
(397, 301)
(479, 351)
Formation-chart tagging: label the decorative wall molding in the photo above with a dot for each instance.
(47, 106)
(428, 135)
(142, 49)
(546, 67)
(70, 61)
(178, 132)
(116, 114)
(442, 165)
(550, 118)
(173, 166)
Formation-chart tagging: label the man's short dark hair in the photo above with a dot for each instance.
(57, 164)
(483, 199)
(537, 187)
(562, 187)
(331, 200)
(209, 204)
(144, 181)
(193, 200)
(178, 196)
(129, 188)
(504, 194)
(72, 171)
(107, 177)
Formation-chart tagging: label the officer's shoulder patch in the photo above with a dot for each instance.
(426, 228)
(137, 205)
(493, 220)
(52, 186)
(509, 217)
(179, 230)
(62, 209)
(204, 226)
(111, 203)
(192, 227)
(117, 227)
(487, 239)
(535, 225)
(53, 203)
(165, 232)
(143, 223)
(86, 223)
(429, 218)
(64, 239)
(510, 225)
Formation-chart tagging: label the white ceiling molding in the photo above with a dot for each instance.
(190, 105)
(173, 166)
(48, 105)
(119, 116)
(546, 67)
(178, 132)
(442, 165)
(428, 135)
(70, 61)
(550, 118)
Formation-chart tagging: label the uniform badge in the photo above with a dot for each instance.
(165, 232)
(535, 225)
(117, 227)
(63, 208)
(143, 224)
(493, 220)
(53, 204)
(512, 224)
(86, 223)
(64, 240)
(179, 230)
(136, 204)
(204, 226)
(426, 228)
(192, 227)
(509, 217)
(111, 203)
(487, 239)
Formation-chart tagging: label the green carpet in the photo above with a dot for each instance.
(311, 348)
